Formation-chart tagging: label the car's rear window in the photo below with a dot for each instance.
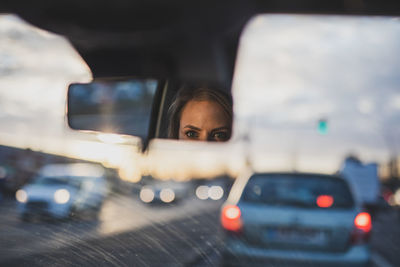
(309, 191)
(57, 181)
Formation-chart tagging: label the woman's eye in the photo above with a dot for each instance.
(220, 136)
(191, 134)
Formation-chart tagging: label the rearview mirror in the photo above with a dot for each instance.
(110, 106)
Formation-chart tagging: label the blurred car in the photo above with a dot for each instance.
(163, 192)
(295, 219)
(62, 190)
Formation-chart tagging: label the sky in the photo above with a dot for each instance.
(36, 68)
(343, 70)
(34, 74)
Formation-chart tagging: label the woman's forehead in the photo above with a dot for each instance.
(203, 113)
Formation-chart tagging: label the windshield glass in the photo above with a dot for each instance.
(311, 94)
(296, 190)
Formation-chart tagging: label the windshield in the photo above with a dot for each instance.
(316, 106)
(57, 181)
(297, 190)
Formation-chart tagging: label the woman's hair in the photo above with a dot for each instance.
(185, 95)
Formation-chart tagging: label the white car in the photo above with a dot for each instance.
(62, 190)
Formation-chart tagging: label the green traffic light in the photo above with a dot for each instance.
(322, 127)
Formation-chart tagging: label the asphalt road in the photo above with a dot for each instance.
(129, 233)
(125, 230)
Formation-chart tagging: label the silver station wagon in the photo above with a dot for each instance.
(295, 219)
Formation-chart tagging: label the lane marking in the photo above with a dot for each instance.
(379, 260)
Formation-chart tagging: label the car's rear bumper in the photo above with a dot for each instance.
(239, 254)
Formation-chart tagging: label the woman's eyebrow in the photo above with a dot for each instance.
(192, 127)
(220, 128)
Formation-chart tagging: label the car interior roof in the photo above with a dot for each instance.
(181, 40)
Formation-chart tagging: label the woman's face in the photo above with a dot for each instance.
(204, 121)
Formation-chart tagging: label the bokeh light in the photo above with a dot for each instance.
(61, 196)
(215, 192)
(167, 195)
(146, 195)
(21, 196)
(202, 192)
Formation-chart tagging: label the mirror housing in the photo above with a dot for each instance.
(128, 107)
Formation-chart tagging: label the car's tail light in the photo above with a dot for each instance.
(231, 218)
(363, 221)
(362, 228)
(324, 201)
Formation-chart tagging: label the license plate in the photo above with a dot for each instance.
(296, 236)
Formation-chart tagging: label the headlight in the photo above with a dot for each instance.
(167, 195)
(202, 192)
(21, 196)
(216, 192)
(61, 196)
(146, 195)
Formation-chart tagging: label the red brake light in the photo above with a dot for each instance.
(363, 221)
(324, 201)
(230, 218)
(363, 226)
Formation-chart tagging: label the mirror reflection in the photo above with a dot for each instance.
(123, 107)
(200, 114)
